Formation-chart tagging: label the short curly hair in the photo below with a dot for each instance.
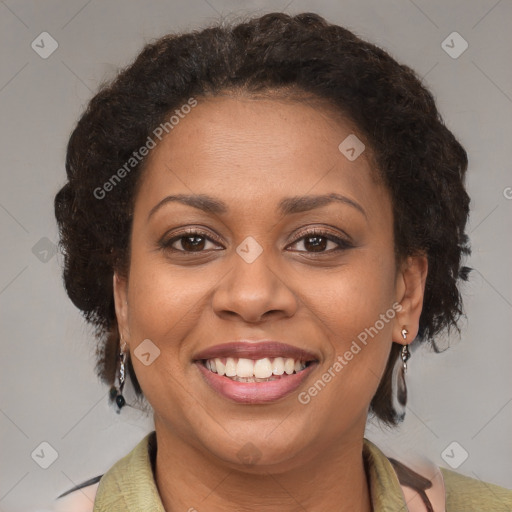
(417, 156)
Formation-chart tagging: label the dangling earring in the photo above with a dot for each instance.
(405, 351)
(399, 395)
(117, 393)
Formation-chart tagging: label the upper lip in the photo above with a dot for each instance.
(251, 349)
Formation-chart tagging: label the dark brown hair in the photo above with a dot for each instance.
(418, 158)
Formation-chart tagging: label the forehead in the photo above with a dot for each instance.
(258, 149)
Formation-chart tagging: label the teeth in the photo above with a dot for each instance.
(249, 370)
(253, 379)
(245, 368)
(221, 367)
(230, 367)
(263, 368)
(289, 366)
(278, 366)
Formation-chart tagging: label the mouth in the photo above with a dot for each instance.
(267, 369)
(255, 372)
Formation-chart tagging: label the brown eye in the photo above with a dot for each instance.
(189, 242)
(315, 243)
(320, 242)
(192, 243)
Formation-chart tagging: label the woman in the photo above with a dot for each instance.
(259, 219)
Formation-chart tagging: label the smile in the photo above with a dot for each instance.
(251, 372)
(259, 370)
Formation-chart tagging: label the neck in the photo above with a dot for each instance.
(334, 480)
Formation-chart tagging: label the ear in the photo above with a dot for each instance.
(120, 287)
(410, 287)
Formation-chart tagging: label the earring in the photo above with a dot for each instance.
(117, 393)
(399, 394)
(405, 351)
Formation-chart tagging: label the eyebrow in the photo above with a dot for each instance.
(299, 204)
(287, 206)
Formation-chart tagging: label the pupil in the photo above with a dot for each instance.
(193, 243)
(317, 243)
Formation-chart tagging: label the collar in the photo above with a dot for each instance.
(129, 485)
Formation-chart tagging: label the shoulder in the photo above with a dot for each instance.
(79, 499)
(465, 493)
(422, 484)
(448, 490)
(103, 488)
(412, 483)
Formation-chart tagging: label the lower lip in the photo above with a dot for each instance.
(255, 392)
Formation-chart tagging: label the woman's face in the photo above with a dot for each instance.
(276, 236)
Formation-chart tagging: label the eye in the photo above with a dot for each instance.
(313, 241)
(190, 241)
(317, 241)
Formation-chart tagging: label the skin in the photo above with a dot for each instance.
(250, 154)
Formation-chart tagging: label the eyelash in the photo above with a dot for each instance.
(342, 243)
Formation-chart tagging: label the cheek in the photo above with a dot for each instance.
(354, 310)
(162, 308)
(161, 298)
(166, 304)
(354, 296)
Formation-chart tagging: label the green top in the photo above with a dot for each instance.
(129, 485)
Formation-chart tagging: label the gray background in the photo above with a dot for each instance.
(49, 391)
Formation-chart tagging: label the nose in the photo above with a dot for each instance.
(254, 292)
